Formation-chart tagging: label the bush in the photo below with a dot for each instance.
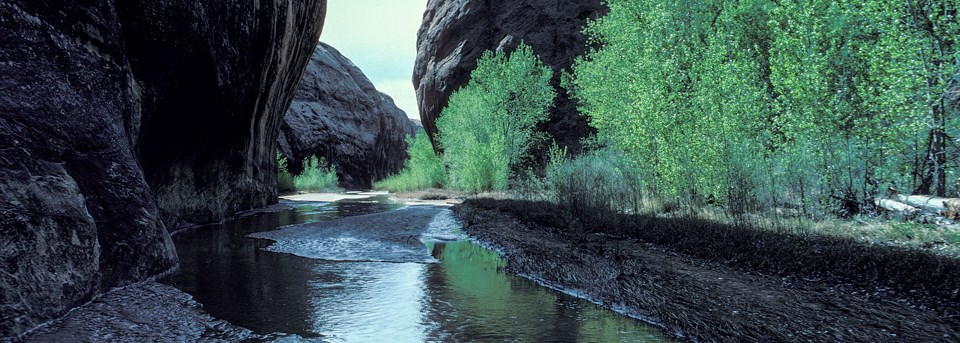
(284, 179)
(317, 176)
(424, 169)
(595, 185)
(487, 128)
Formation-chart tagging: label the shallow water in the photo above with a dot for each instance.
(457, 294)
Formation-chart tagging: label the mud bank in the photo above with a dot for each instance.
(702, 300)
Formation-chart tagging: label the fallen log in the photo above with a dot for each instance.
(926, 202)
(923, 208)
(895, 206)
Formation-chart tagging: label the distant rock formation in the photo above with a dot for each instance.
(340, 116)
(455, 33)
(118, 117)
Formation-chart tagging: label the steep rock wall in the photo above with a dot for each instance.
(217, 77)
(455, 33)
(339, 115)
(99, 105)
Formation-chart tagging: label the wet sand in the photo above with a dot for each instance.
(394, 236)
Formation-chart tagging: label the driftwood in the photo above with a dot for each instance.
(894, 205)
(926, 202)
(925, 208)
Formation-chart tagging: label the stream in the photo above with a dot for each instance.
(388, 273)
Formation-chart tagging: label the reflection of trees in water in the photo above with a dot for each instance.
(471, 300)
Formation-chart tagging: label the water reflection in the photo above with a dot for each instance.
(368, 301)
(464, 298)
(472, 300)
(236, 280)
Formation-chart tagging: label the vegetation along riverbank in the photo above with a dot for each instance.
(760, 170)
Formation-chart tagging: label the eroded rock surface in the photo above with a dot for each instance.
(105, 105)
(340, 116)
(455, 33)
(217, 77)
(148, 312)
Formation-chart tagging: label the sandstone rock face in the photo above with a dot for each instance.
(101, 105)
(339, 115)
(217, 77)
(455, 33)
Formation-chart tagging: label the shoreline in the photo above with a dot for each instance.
(697, 299)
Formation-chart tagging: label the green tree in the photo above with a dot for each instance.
(808, 103)
(489, 125)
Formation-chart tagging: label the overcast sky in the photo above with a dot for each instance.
(380, 37)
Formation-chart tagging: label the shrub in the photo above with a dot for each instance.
(424, 169)
(317, 176)
(595, 186)
(284, 179)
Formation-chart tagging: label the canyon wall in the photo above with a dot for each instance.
(119, 120)
(455, 33)
(340, 116)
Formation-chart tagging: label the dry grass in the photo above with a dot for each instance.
(943, 240)
(798, 252)
(707, 301)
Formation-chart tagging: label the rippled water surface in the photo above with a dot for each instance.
(457, 294)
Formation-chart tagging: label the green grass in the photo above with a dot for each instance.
(595, 185)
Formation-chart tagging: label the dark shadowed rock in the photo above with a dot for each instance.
(102, 102)
(148, 312)
(455, 33)
(217, 77)
(339, 115)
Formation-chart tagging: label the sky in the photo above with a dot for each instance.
(380, 37)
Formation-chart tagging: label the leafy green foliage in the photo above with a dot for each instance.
(488, 125)
(811, 105)
(317, 176)
(423, 169)
(284, 179)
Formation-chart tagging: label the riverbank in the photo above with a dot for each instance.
(749, 293)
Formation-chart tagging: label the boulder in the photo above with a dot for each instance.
(109, 109)
(340, 116)
(455, 33)
(952, 209)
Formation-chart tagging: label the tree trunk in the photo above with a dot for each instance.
(934, 179)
